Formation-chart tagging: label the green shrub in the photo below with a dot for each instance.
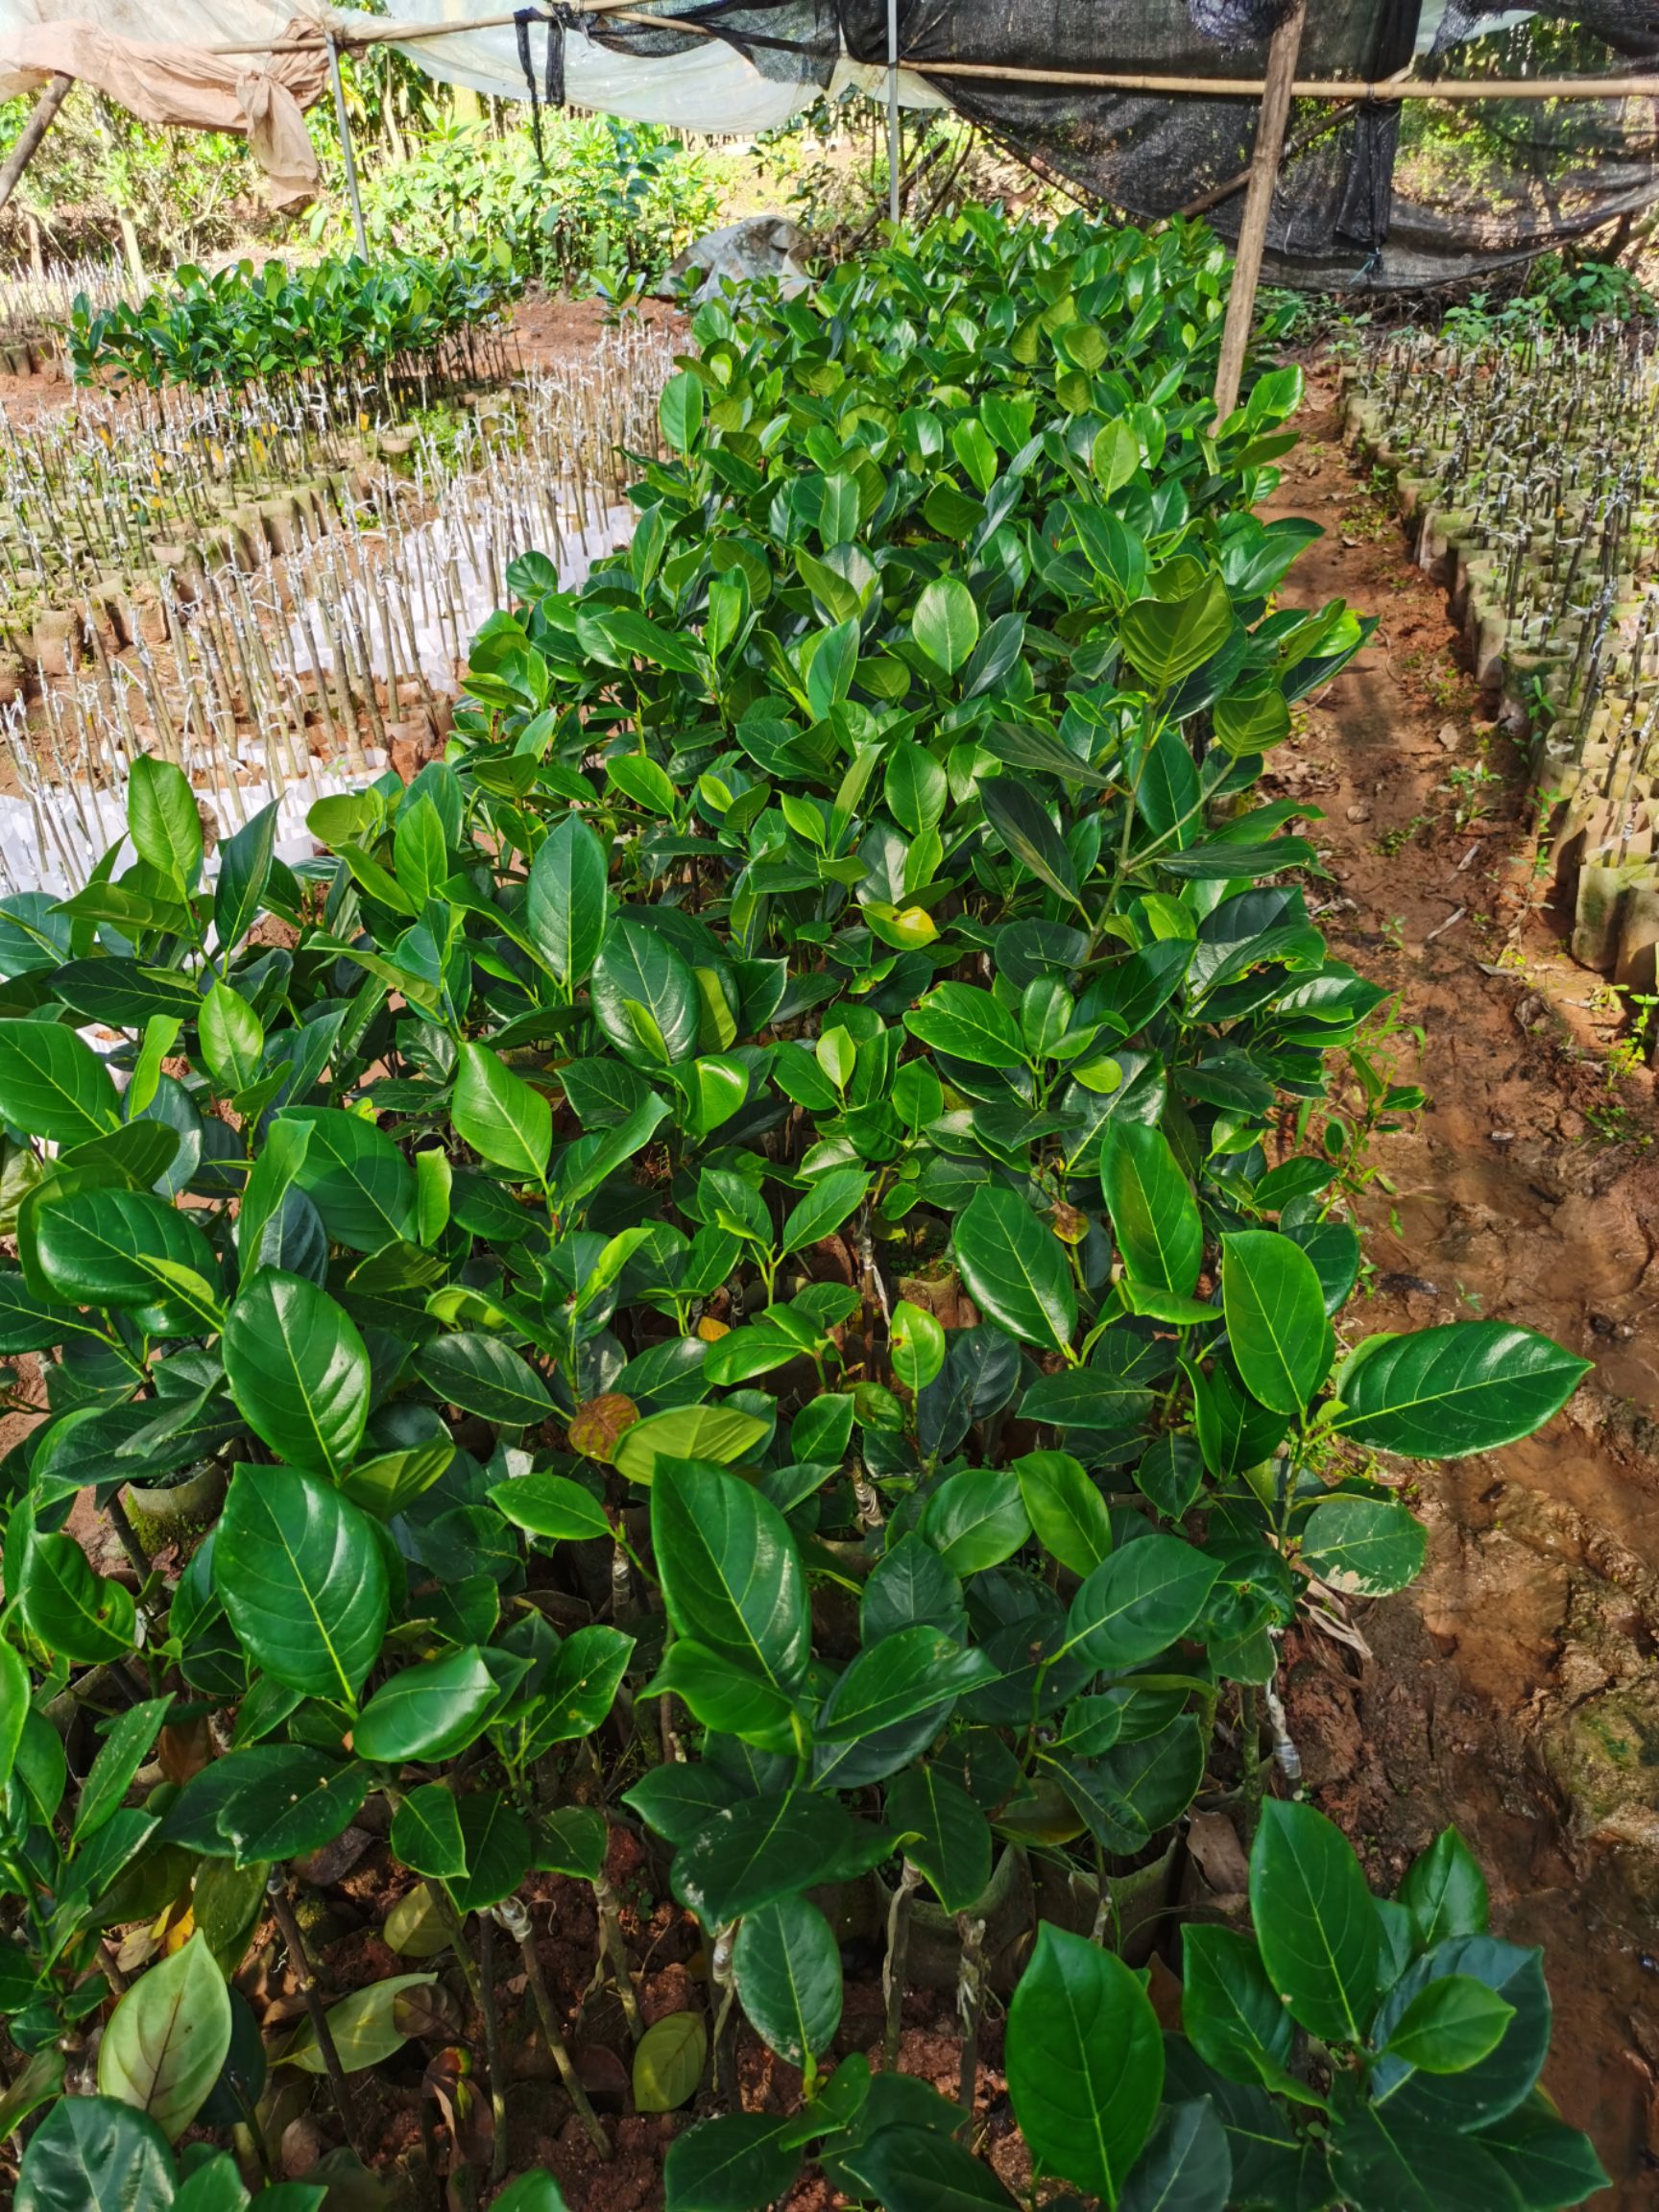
(244, 322)
(612, 205)
(849, 906)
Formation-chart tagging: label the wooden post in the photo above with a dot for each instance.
(1282, 55)
(351, 192)
(32, 133)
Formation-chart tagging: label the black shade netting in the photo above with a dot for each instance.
(1371, 193)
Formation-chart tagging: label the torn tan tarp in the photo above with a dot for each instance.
(259, 96)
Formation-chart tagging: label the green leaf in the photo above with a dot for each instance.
(427, 1712)
(122, 1248)
(679, 411)
(582, 1683)
(356, 1178)
(567, 904)
(426, 1833)
(764, 1848)
(668, 2062)
(1066, 1511)
(167, 2038)
(125, 1748)
(1187, 2166)
(644, 997)
(483, 1376)
(298, 1370)
(1365, 1547)
(1550, 2164)
(1315, 1921)
(1445, 1891)
(719, 1433)
(364, 2026)
(1490, 2089)
(946, 623)
(976, 1519)
(914, 2170)
(1276, 1326)
(827, 1203)
(498, 1852)
(945, 1833)
(96, 2154)
(1395, 2163)
(1443, 1393)
(1023, 826)
(731, 2164)
(551, 1506)
(499, 1113)
(74, 1612)
(787, 1965)
(1141, 1600)
(917, 1346)
(1015, 1268)
(303, 1580)
(53, 1084)
(1450, 2026)
(726, 1697)
(1154, 1214)
(1167, 639)
(1085, 2062)
(232, 1038)
(1229, 2011)
(915, 1671)
(243, 873)
(967, 1024)
(732, 1577)
(164, 820)
(14, 1696)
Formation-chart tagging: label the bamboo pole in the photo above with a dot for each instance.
(1282, 53)
(32, 132)
(894, 195)
(351, 192)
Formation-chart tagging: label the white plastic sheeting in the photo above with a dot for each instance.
(711, 89)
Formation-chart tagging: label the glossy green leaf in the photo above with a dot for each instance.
(912, 2169)
(302, 1580)
(500, 1116)
(356, 1178)
(551, 1506)
(298, 1370)
(1450, 2026)
(1445, 1891)
(827, 1205)
(1365, 1547)
(764, 1848)
(720, 1435)
(1229, 2011)
(946, 623)
(428, 1712)
(96, 2154)
(426, 1833)
(1315, 1921)
(787, 1967)
(944, 1832)
(1276, 1326)
(1399, 2164)
(645, 997)
(732, 1577)
(1016, 1268)
(53, 1084)
(1154, 1214)
(1186, 2167)
(1085, 2062)
(1443, 1393)
(730, 2164)
(163, 819)
(1141, 1600)
(483, 1376)
(967, 1024)
(1067, 1510)
(83, 1616)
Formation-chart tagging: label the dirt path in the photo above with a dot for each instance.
(1513, 1689)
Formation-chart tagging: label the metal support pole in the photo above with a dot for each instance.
(1281, 53)
(351, 192)
(32, 132)
(895, 199)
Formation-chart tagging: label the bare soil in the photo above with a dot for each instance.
(1512, 1689)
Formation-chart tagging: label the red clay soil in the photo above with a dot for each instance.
(1512, 1689)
